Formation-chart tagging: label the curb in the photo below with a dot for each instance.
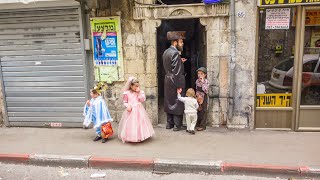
(58, 160)
(310, 171)
(127, 164)
(171, 166)
(14, 158)
(158, 165)
(253, 168)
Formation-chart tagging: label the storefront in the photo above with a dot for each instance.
(288, 73)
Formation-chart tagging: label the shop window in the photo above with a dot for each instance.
(310, 85)
(276, 57)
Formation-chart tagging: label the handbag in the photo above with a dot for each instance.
(106, 130)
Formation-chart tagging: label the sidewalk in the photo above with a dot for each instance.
(215, 144)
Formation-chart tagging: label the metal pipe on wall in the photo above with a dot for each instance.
(232, 61)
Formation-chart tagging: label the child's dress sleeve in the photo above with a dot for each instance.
(125, 99)
(142, 96)
(87, 113)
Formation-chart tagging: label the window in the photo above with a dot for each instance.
(310, 66)
(276, 57)
(285, 65)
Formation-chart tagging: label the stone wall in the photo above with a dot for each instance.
(136, 54)
(218, 48)
(245, 65)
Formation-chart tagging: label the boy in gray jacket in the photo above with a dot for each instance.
(190, 108)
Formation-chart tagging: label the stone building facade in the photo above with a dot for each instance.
(140, 23)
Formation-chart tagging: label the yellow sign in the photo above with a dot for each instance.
(274, 100)
(312, 18)
(289, 2)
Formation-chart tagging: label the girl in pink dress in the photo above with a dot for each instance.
(135, 125)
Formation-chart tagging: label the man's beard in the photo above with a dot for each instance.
(180, 48)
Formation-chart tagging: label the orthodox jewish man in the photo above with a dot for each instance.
(174, 80)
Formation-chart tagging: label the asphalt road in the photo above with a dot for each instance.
(22, 172)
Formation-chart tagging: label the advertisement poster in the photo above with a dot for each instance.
(315, 38)
(105, 37)
(107, 49)
(312, 18)
(278, 18)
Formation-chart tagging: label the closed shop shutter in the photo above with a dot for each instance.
(42, 66)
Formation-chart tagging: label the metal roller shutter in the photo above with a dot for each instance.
(43, 69)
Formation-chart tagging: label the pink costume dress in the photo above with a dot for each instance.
(135, 126)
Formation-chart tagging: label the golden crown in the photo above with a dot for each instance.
(101, 86)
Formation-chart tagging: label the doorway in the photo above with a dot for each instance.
(308, 81)
(194, 50)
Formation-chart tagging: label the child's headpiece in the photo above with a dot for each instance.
(202, 69)
(101, 86)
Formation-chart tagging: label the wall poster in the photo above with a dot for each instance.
(107, 48)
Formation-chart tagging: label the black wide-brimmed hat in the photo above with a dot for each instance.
(175, 35)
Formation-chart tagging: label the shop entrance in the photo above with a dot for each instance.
(308, 81)
(194, 50)
(288, 87)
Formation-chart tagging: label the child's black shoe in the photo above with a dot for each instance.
(192, 132)
(97, 138)
(104, 140)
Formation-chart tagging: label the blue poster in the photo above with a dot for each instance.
(105, 48)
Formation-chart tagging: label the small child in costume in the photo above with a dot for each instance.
(135, 125)
(190, 108)
(96, 111)
(202, 89)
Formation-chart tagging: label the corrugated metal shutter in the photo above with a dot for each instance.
(42, 66)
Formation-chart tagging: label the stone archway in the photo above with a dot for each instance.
(215, 20)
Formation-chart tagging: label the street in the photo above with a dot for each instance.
(22, 172)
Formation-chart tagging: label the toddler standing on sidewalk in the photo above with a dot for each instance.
(190, 108)
(96, 111)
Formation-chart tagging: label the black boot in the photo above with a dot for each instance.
(97, 138)
(104, 140)
(169, 127)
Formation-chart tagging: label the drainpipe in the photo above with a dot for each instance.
(232, 61)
